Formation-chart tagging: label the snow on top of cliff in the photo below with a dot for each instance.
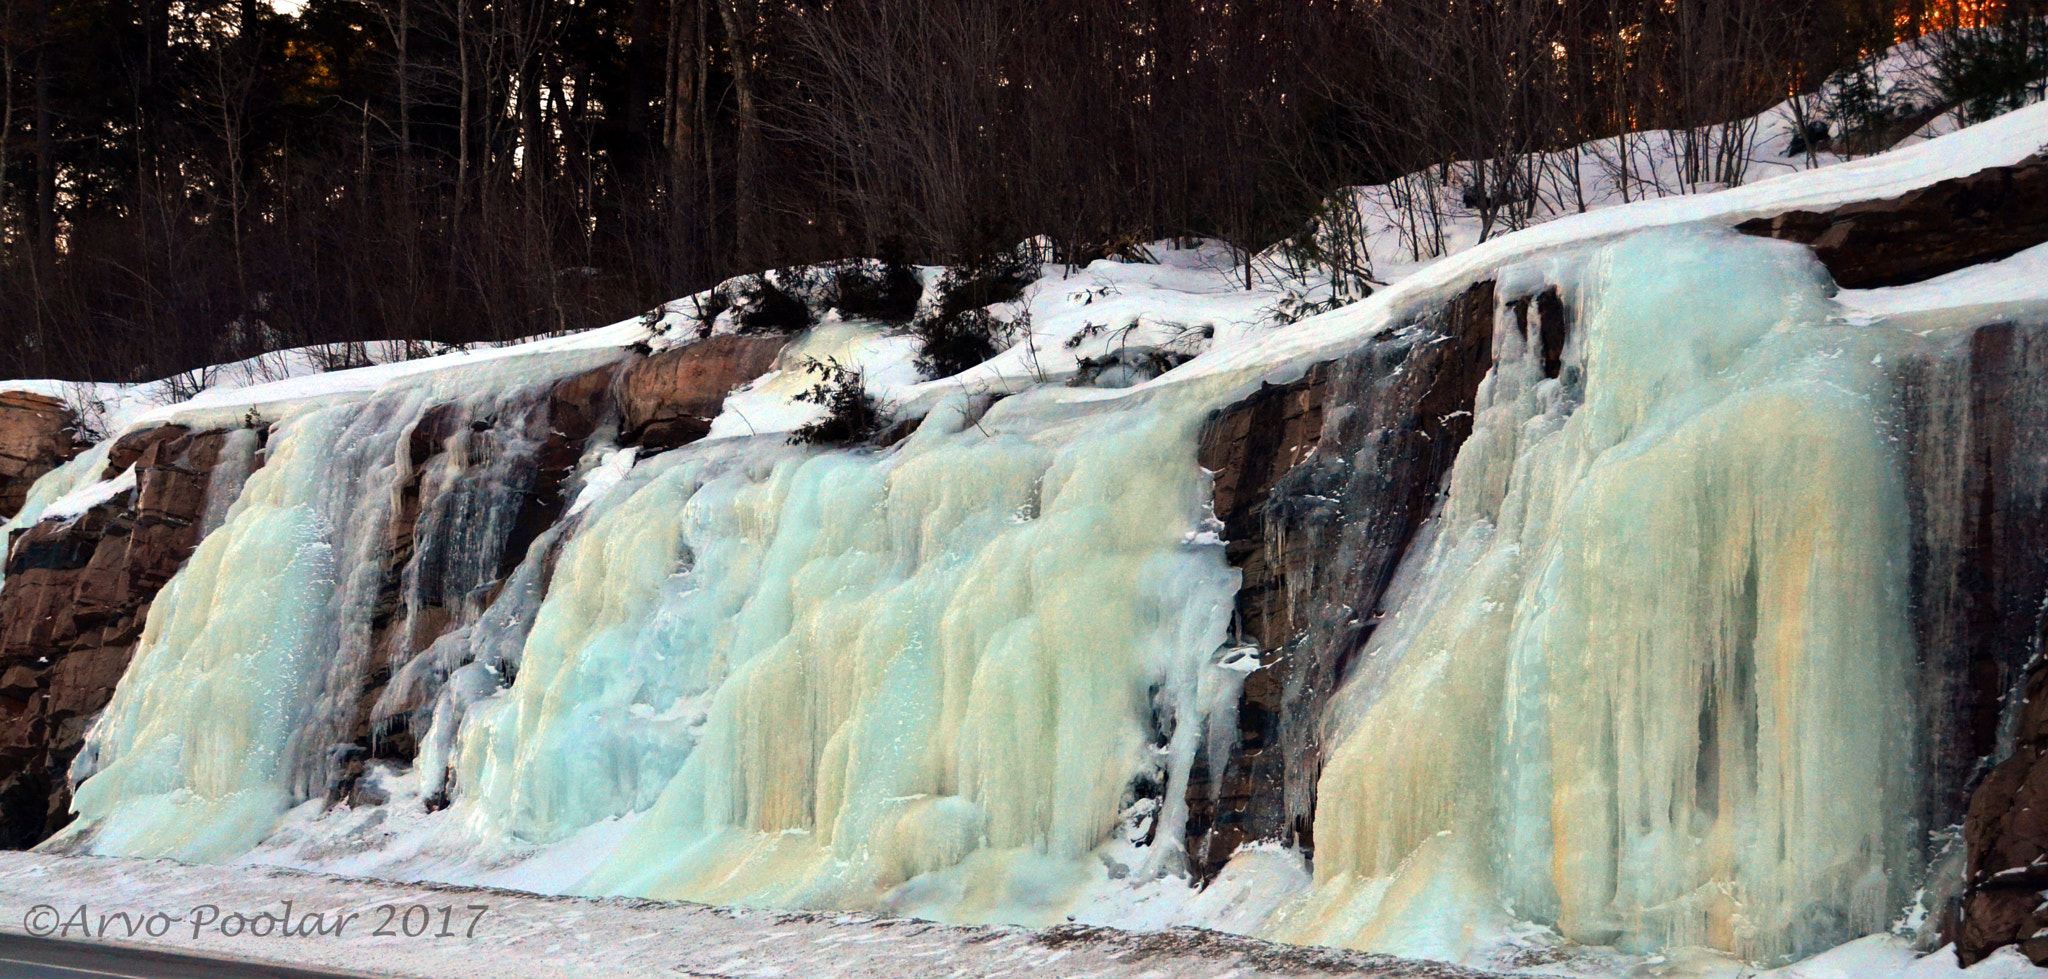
(1195, 301)
(223, 394)
(2003, 141)
(78, 501)
(1188, 300)
(2022, 278)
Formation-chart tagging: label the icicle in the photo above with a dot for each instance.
(1652, 681)
(224, 486)
(919, 681)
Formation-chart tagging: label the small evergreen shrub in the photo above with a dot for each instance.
(1855, 100)
(959, 332)
(876, 290)
(852, 415)
(758, 305)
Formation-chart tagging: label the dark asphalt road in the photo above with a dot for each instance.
(22, 957)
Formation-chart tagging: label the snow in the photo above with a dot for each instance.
(920, 682)
(612, 467)
(539, 937)
(1193, 299)
(2023, 278)
(74, 477)
(76, 502)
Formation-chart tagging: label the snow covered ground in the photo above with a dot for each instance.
(1191, 300)
(537, 937)
(541, 937)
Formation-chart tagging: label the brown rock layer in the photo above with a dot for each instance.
(35, 437)
(517, 463)
(1927, 232)
(1978, 475)
(508, 494)
(73, 606)
(670, 398)
(1321, 485)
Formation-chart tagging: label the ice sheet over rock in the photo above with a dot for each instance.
(1658, 648)
(923, 681)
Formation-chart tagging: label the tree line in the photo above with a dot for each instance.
(185, 182)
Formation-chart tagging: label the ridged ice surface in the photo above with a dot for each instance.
(1648, 679)
(244, 692)
(1651, 681)
(193, 753)
(925, 681)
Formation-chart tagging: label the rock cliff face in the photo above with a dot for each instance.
(1937, 229)
(35, 437)
(1321, 485)
(1978, 419)
(478, 490)
(76, 596)
(462, 468)
(669, 399)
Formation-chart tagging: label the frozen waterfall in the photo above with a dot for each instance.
(1651, 681)
(923, 681)
(1649, 677)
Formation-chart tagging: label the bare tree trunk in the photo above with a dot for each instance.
(748, 248)
(404, 87)
(680, 135)
(6, 130)
(45, 146)
(462, 125)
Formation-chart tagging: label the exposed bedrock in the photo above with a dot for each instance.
(1936, 229)
(1980, 475)
(1325, 483)
(76, 595)
(670, 398)
(35, 437)
(1321, 485)
(480, 484)
(481, 493)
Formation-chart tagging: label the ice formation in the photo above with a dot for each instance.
(1657, 651)
(922, 681)
(245, 685)
(1649, 681)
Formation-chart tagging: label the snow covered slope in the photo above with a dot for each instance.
(969, 678)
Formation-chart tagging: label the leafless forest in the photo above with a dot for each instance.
(195, 181)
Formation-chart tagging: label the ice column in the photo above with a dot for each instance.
(252, 682)
(193, 745)
(1651, 683)
(922, 681)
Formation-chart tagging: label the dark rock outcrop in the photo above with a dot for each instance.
(35, 437)
(454, 540)
(1126, 366)
(670, 398)
(511, 471)
(1936, 229)
(73, 607)
(1977, 441)
(1321, 485)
